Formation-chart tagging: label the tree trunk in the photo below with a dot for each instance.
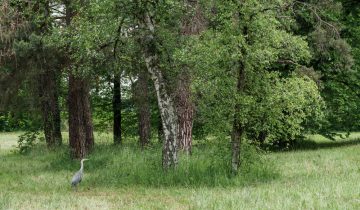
(165, 103)
(142, 101)
(236, 142)
(185, 111)
(81, 138)
(238, 127)
(192, 24)
(48, 91)
(117, 109)
(47, 79)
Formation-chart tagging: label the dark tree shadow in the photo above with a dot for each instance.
(312, 145)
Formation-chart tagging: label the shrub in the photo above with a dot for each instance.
(27, 141)
(282, 111)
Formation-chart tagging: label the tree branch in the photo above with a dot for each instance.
(118, 36)
(314, 10)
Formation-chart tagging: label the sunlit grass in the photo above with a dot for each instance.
(321, 174)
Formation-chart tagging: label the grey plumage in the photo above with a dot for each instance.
(78, 175)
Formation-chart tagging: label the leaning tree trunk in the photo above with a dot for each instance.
(117, 109)
(165, 103)
(143, 106)
(49, 100)
(81, 138)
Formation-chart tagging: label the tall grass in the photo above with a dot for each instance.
(320, 174)
(207, 167)
(127, 165)
(46, 174)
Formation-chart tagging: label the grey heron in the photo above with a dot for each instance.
(78, 175)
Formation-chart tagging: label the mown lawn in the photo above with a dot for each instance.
(321, 174)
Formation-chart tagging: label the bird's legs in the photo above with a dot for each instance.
(75, 188)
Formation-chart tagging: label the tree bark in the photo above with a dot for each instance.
(117, 109)
(192, 24)
(165, 103)
(49, 100)
(238, 128)
(142, 101)
(81, 138)
(185, 112)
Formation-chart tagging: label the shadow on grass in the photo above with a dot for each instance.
(312, 145)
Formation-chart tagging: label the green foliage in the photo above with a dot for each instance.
(329, 28)
(10, 121)
(275, 101)
(282, 109)
(272, 42)
(7, 123)
(27, 141)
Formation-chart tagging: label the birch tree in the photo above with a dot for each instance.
(165, 102)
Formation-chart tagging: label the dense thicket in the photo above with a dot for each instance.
(259, 72)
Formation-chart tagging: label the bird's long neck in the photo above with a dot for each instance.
(82, 165)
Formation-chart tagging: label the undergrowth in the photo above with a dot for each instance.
(127, 165)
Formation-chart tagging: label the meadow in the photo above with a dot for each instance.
(317, 174)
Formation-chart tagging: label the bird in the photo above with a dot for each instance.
(78, 175)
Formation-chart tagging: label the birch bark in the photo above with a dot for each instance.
(166, 106)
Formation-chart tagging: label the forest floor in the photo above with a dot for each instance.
(320, 174)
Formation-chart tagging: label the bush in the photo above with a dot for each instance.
(284, 110)
(27, 141)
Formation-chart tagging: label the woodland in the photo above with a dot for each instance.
(186, 93)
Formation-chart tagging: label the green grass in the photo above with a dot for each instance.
(319, 174)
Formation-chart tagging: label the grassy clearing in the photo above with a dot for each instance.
(318, 175)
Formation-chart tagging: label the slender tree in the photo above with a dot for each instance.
(238, 126)
(117, 109)
(165, 102)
